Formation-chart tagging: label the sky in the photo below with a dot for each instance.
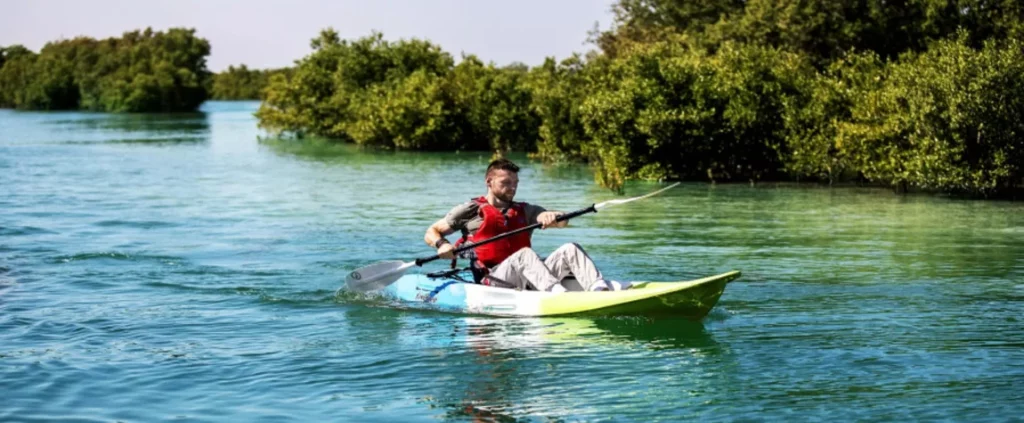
(275, 33)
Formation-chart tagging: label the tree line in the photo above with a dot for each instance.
(141, 71)
(242, 83)
(922, 95)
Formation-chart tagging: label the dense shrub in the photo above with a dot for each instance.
(143, 71)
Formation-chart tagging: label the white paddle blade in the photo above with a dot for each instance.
(376, 276)
(626, 200)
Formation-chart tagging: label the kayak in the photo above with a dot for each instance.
(691, 299)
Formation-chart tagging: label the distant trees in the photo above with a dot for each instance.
(141, 71)
(242, 83)
(16, 63)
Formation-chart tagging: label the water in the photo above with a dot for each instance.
(173, 267)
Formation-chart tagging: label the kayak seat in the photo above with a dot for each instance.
(571, 284)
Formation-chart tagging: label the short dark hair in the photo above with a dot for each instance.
(502, 164)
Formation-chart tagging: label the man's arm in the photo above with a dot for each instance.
(456, 219)
(547, 220)
(438, 230)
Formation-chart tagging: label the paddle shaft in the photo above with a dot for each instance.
(562, 218)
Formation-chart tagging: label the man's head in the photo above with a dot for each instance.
(502, 179)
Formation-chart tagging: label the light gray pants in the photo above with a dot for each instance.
(525, 267)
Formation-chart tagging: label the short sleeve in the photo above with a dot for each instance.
(532, 211)
(460, 215)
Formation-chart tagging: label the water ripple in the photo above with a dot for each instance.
(164, 280)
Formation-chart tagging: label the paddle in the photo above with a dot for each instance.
(379, 275)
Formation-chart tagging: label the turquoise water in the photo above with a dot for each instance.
(174, 267)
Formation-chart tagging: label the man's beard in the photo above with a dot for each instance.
(507, 198)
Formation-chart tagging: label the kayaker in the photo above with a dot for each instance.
(511, 262)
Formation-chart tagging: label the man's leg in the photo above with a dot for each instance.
(570, 258)
(522, 268)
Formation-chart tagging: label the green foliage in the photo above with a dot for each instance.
(329, 92)
(404, 113)
(947, 119)
(42, 81)
(823, 29)
(15, 74)
(406, 94)
(242, 83)
(309, 102)
(670, 110)
(919, 94)
(813, 121)
(722, 91)
(556, 90)
(141, 71)
(647, 21)
(492, 107)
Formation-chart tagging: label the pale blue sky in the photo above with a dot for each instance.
(273, 33)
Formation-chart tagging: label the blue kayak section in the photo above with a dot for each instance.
(420, 290)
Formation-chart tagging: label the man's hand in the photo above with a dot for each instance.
(446, 251)
(547, 219)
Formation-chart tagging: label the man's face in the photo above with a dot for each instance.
(503, 184)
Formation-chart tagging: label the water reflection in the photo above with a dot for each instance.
(508, 369)
(128, 128)
(836, 235)
(137, 122)
(151, 140)
(376, 325)
(350, 154)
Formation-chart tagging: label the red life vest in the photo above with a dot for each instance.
(495, 224)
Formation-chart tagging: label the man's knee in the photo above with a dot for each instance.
(525, 253)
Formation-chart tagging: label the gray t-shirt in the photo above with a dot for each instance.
(466, 216)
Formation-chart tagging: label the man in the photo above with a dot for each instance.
(511, 262)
